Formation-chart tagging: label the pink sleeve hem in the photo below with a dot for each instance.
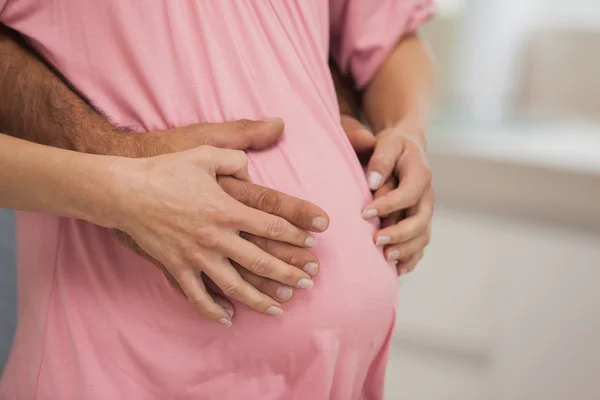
(365, 71)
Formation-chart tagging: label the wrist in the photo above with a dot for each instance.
(414, 128)
(105, 204)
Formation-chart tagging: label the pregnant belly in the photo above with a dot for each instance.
(105, 295)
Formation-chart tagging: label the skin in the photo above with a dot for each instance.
(46, 110)
(167, 204)
(396, 104)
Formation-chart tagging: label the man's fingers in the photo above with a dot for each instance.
(240, 135)
(263, 264)
(229, 282)
(293, 255)
(195, 291)
(360, 138)
(387, 151)
(299, 212)
(269, 287)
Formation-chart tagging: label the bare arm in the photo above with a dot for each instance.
(43, 109)
(54, 181)
(401, 91)
(38, 106)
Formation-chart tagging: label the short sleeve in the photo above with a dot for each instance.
(3, 4)
(363, 32)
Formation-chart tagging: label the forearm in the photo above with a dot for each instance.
(54, 181)
(38, 106)
(401, 92)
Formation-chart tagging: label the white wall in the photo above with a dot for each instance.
(506, 303)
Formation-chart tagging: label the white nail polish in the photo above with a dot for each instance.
(394, 255)
(383, 240)
(311, 268)
(225, 322)
(374, 179)
(274, 311)
(305, 284)
(370, 213)
(230, 312)
(320, 224)
(310, 241)
(284, 293)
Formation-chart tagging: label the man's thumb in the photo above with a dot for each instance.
(255, 135)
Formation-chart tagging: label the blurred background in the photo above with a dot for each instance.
(505, 305)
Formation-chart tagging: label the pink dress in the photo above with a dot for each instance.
(98, 322)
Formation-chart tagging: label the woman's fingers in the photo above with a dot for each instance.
(263, 264)
(405, 250)
(405, 266)
(195, 290)
(293, 255)
(273, 227)
(227, 279)
(269, 287)
(416, 224)
(301, 213)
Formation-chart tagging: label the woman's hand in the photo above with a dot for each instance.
(406, 209)
(173, 207)
(400, 154)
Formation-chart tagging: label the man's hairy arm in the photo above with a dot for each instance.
(38, 106)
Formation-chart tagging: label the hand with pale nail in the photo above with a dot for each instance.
(395, 164)
(303, 215)
(406, 210)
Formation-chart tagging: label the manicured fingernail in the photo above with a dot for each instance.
(305, 284)
(229, 311)
(403, 270)
(284, 292)
(374, 179)
(311, 268)
(370, 213)
(319, 223)
(225, 322)
(310, 241)
(383, 240)
(394, 255)
(274, 311)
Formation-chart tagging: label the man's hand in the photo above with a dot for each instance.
(174, 209)
(236, 135)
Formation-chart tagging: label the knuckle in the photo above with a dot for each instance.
(298, 213)
(412, 198)
(427, 239)
(403, 235)
(292, 258)
(383, 161)
(207, 312)
(269, 201)
(232, 289)
(275, 228)
(243, 125)
(261, 266)
(262, 285)
(207, 238)
(427, 174)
